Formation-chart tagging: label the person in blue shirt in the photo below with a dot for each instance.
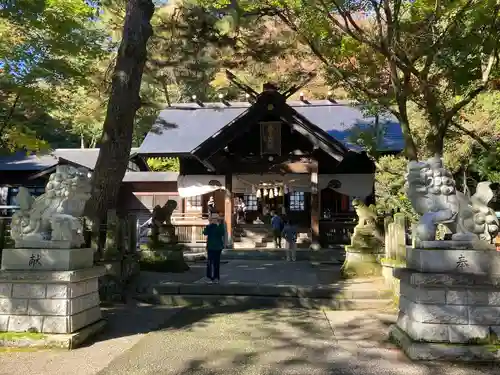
(277, 225)
(215, 244)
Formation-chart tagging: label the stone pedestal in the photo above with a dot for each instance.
(449, 305)
(50, 291)
(49, 301)
(47, 259)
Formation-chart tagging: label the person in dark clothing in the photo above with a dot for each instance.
(277, 225)
(215, 243)
(290, 234)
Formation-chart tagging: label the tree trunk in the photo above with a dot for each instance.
(123, 103)
(410, 147)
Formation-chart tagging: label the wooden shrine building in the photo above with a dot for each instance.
(292, 157)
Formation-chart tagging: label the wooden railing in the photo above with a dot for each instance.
(189, 233)
(336, 232)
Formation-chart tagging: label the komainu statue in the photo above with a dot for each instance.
(432, 192)
(162, 230)
(367, 236)
(52, 220)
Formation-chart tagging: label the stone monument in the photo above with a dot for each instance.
(449, 291)
(48, 283)
(366, 243)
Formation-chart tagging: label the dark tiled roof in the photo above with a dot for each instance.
(150, 176)
(183, 127)
(20, 161)
(86, 157)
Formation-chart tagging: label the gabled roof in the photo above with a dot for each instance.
(181, 128)
(275, 103)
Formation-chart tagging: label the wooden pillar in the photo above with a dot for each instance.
(228, 209)
(315, 209)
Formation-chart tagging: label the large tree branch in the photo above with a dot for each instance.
(402, 61)
(473, 93)
(471, 134)
(12, 109)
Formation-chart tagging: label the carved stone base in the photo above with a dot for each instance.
(361, 262)
(468, 261)
(448, 316)
(426, 351)
(49, 302)
(47, 259)
(474, 244)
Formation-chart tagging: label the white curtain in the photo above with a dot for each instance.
(296, 182)
(193, 185)
(353, 185)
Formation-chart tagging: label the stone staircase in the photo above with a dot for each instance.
(260, 236)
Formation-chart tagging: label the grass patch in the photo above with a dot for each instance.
(399, 263)
(28, 349)
(12, 336)
(353, 269)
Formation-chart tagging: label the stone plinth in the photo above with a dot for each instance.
(479, 262)
(361, 262)
(47, 259)
(49, 301)
(452, 315)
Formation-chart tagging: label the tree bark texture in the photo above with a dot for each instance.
(123, 103)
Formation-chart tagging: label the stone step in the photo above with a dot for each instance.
(264, 301)
(345, 290)
(339, 297)
(272, 253)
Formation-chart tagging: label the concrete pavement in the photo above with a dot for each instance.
(244, 338)
(236, 341)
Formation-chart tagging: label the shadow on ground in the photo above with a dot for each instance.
(246, 339)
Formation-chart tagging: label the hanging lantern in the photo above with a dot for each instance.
(266, 193)
(253, 189)
(258, 194)
(271, 193)
(287, 190)
(280, 191)
(276, 191)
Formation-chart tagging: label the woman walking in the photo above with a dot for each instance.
(215, 243)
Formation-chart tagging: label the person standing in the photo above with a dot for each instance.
(215, 243)
(290, 234)
(242, 208)
(277, 225)
(211, 206)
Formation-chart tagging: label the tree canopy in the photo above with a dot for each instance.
(432, 64)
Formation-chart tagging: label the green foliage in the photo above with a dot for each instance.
(487, 164)
(390, 53)
(390, 186)
(48, 48)
(164, 164)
